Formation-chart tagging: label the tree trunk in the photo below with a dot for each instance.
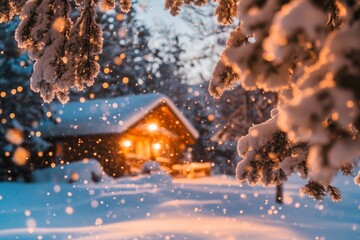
(279, 193)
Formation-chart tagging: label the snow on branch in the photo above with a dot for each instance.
(312, 63)
(10, 8)
(175, 5)
(125, 5)
(65, 54)
(269, 156)
(357, 179)
(107, 5)
(84, 46)
(226, 11)
(50, 66)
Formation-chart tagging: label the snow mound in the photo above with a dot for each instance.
(85, 171)
(150, 167)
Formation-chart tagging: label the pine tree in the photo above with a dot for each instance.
(20, 111)
(202, 113)
(170, 74)
(241, 109)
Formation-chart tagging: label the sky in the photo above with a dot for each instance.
(153, 14)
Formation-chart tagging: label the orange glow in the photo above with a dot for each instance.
(349, 104)
(126, 143)
(14, 136)
(328, 81)
(117, 60)
(105, 85)
(335, 116)
(120, 17)
(211, 117)
(157, 146)
(59, 24)
(152, 127)
(341, 8)
(64, 59)
(20, 157)
(106, 70)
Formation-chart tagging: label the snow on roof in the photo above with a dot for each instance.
(106, 116)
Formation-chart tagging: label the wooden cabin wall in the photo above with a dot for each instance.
(107, 148)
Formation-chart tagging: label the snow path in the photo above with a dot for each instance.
(156, 207)
(207, 227)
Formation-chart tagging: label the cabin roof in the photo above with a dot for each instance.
(106, 116)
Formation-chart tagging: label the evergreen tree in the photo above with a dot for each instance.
(20, 110)
(170, 74)
(202, 113)
(127, 62)
(241, 109)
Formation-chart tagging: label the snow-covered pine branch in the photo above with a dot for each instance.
(51, 62)
(84, 46)
(107, 5)
(10, 8)
(357, 179)
(125, 5)
(175, 5)
(66, 54)
(313, 64)
(226, 11)
(269, 156)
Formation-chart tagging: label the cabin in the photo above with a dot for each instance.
(122, 133)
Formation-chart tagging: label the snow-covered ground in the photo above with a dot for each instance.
(158, 207)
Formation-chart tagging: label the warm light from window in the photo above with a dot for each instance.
(127, 143)
(157, 146)
(152, 127)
